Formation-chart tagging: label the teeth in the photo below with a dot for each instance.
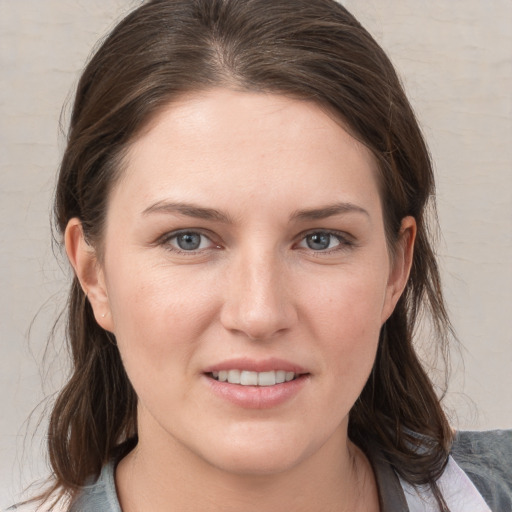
(247, 378)
(234, 376)
(266, 378)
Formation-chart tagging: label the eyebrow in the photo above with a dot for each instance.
(188, 209)
(199, 212)
(327, 211)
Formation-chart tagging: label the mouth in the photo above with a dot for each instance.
(252, 378)
(256, 384)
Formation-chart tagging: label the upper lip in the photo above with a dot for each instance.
(253, 365)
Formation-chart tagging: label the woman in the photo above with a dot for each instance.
(243, 199)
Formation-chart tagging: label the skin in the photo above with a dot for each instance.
(254, 289)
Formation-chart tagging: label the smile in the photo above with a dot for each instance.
(256, 390)
(250, 378)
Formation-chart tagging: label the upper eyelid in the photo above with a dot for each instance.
(334, 232)
(345, 242)
(165, 242)
(342, 236)
(172, 234)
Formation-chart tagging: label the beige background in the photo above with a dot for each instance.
(455, 59)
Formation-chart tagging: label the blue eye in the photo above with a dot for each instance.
(189, 241)
(321, 241)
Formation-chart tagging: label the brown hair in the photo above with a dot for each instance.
(311, 49)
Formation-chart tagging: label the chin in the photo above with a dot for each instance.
(259, 463)
(260, 453)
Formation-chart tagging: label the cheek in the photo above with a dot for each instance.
(345, 320)
(160, 315)
(347, 301)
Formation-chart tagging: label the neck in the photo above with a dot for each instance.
(165, 476)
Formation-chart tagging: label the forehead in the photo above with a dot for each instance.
(231, 142)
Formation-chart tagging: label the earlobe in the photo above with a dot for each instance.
(84, 260)
(400, 266)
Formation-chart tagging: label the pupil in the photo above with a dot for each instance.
(318, 241)
(189, 241)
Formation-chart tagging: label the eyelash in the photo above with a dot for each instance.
(166, 241)
(345, 241)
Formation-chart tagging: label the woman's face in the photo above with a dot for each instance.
(245, 240)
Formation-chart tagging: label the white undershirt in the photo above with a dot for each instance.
(457, 489)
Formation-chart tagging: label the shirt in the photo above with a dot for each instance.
(477, 478)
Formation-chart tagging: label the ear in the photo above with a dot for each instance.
(400, 267)
(88, 270)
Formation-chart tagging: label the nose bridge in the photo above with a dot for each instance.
(257, 300)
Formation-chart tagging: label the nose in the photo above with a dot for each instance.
(258, 297)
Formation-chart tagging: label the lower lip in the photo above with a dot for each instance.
(257, 397)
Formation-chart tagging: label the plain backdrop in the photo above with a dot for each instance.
(455, 59)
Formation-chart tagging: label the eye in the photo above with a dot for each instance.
(323, 241)
(188, 241)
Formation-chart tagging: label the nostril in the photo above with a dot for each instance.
(258, 324)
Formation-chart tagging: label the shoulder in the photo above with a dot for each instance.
(486, 457)
(34, 507)
(99, 494)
